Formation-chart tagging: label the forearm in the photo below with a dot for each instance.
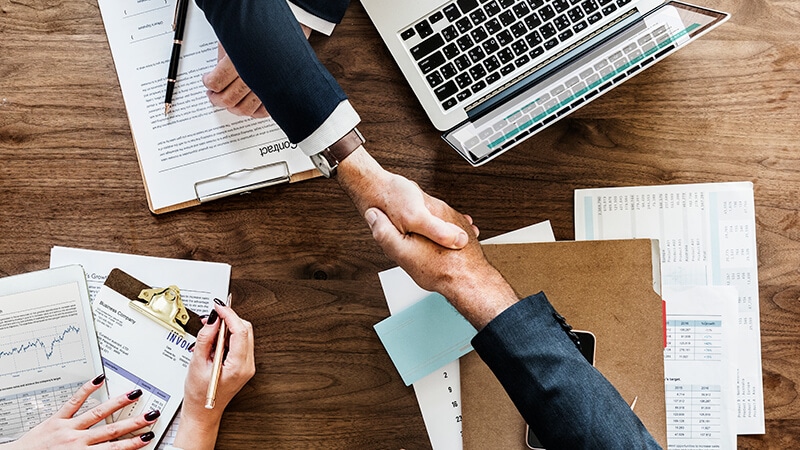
(197, 434)
(481, 296)
(357, 174)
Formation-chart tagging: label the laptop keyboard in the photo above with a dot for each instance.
(545, 104)
(467, 46)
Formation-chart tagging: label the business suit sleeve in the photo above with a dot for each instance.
(273, 57)
(329, 10)
(566, 401)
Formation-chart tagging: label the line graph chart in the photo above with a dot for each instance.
(41, 348)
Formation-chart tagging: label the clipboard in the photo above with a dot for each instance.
(199, 152)
(241, 181)
(144, 335)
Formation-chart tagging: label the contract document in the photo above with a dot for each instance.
(197, 152)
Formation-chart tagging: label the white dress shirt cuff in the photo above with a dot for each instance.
(311, 21)
(343, 119)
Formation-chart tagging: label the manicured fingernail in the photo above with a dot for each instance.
(219, 302)
(152, 415)
(371, 216)
(190, 347)
(147, 437)
(212, 318)
(133, 395)
(99, 379)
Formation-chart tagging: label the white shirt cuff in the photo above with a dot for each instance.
(343, 119)
(310, 20)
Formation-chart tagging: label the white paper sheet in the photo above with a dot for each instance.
(707, 237)
(700, 367)
(196, 142)
(200, 282)
(439, 394)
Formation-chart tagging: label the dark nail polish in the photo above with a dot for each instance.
(219, 302)
(152, 415)
(133, 395)
(191, 347)
(212, 318)
(147, 437)
(99, 379)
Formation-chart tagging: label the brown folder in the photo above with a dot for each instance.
(605, 287)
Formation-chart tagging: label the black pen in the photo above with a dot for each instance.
(172, 74)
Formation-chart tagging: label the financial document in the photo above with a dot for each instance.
(707, 237)
(700, 367)
(198, 151)
(48, 347)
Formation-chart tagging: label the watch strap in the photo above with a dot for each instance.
(342, 148)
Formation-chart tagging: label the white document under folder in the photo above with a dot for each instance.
(198, 152)
(707, 237)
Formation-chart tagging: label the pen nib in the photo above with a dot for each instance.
(166, 108)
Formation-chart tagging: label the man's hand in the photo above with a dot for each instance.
(410, 209)
(474, 287)
(226, 88)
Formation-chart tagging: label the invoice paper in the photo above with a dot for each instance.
(198, 151)
(200, 282)
(139, 353)
(707, 237)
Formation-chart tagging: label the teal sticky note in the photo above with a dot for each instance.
(425, 336)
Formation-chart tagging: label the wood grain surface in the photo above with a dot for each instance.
(304, 264)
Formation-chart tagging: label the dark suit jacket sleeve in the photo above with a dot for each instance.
(330, 10)
(566, 401)
(271, 54)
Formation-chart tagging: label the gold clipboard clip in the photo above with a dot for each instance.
(164, 306)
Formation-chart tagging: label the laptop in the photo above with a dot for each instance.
(492, 73)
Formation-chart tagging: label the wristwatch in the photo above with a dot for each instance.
(328, 160)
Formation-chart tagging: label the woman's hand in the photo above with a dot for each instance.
(199, 426)
(63, 431)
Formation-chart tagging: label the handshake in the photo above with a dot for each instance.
(435, 244)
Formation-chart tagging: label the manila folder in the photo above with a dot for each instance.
(605, 287)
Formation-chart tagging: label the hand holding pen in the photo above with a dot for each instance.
(178, 25)
(216, 363)
(198, 428)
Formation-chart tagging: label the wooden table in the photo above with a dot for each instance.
(304, 264)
